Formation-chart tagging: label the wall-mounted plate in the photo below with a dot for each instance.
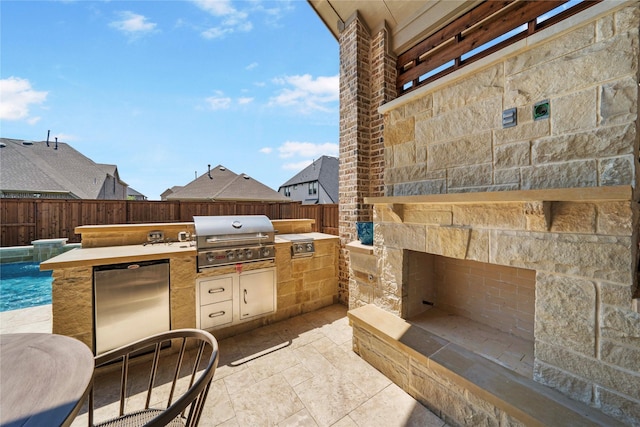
(541, 110)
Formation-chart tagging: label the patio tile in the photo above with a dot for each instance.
(312, 359)
(32, 319)
(239, 381)
(257, 341)
(394, 408)
(345, 422)
(367, 378)
(299, 419)
(313, 379)
(273, 363)
(329, 396)
(296, 374)
(218, 408)
(231, 423)
(339, 331)
(266, 403)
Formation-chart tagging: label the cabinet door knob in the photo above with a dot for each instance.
(245, 296)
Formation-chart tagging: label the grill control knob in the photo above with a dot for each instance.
(230, 255)
(309, 247)
(248, 254)
(298, 248)
(240, 254)
(210, 257)
(266, 252)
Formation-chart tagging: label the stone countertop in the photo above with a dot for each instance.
(314, 235)
(81, 257)
(356, 246)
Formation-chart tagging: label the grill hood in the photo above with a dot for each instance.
(225, 231)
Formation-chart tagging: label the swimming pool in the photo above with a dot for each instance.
(23, 285)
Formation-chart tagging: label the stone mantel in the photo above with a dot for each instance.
(583, 194)
(537, 202)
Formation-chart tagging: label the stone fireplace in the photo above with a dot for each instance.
(526, 236)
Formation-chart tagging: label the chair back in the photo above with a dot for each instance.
(158, 385)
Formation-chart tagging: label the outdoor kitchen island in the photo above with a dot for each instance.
(303, 284)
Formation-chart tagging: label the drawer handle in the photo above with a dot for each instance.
(215, 291)
(217, 314)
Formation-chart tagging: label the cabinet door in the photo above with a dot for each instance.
(257, 293)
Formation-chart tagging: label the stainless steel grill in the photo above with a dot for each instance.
(223, 240)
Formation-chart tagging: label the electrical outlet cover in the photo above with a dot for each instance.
(541, 110)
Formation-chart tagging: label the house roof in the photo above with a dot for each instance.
(224, 184)
(32, 166)
(171, 190)
(408, 21)
(133, 192)
(325, 171)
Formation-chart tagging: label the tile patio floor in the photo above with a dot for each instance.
(310, 378)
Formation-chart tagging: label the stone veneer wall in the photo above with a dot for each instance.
(448, 138)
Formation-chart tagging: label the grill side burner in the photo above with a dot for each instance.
(223, 240)
(301, 246)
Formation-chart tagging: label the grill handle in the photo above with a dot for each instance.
(216, 239)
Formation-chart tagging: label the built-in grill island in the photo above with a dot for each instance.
(231, 274)
(236, 269)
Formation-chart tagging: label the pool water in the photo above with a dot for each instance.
(23, 285)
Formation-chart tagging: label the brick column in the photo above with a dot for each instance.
(383, 90)
(367, 80)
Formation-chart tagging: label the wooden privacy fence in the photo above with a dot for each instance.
(25, 220)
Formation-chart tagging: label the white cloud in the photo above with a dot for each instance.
(232, 19)
(216, 7)
(275, 12)
(307, 149)
(133, 24)
(219, 101)
(266, 150)
(215, 33)
(16, 96)
(251, 66)
(308, 94)
(298, 166)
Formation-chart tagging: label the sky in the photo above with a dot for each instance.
(164, 88)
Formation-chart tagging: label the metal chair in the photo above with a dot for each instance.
(177, 383)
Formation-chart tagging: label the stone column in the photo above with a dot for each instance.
(367, 80)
